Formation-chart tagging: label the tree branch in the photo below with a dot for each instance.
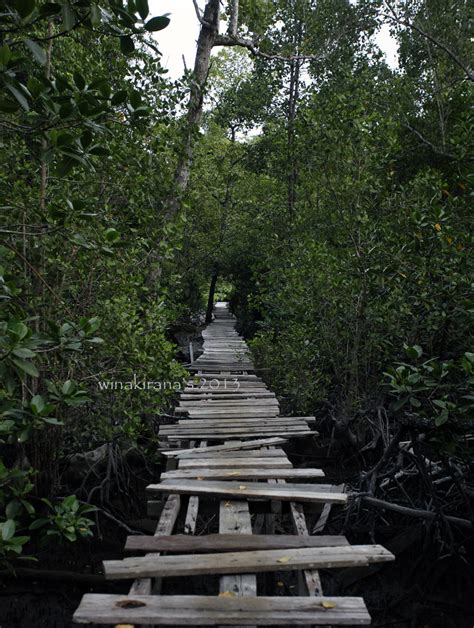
(414, 512)
(202, 21)
(399, 20)
(251, 46)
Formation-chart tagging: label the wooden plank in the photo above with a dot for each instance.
(256, 561)
(234, 519)
(194, 431)
(222, 542)
(165, 527)
(242, 474)
(192, 463)
(231, 446)
(195, 610)
(228, 403)
(193, 508)
(287, 492)
(242, 455)
(238, 433)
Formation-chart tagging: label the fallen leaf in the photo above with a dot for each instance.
(233, 473)
(227, 594)
(242, 487)
(327, 604)
(130, 603)
(199, 478)
(227, 504)
(283, 559)
(280, 583)
(124, 626)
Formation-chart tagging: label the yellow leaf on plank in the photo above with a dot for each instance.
(227, 594)
(283, 559)
(242, 487)
(328, 604)
(233, 473)
(199, 478)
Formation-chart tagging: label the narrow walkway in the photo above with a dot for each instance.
(229, 456)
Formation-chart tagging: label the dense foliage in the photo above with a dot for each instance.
(329, 194)
(86, 116)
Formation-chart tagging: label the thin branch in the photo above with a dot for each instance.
(250, 45)
(423, 139)
(399, 20)
(199, 16)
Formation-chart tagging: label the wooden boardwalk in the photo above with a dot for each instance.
(225, 453)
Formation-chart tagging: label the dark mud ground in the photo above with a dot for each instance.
(419, 590)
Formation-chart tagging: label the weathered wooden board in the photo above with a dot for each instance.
(241, 434)
(194, 610)
(243, 454)
(183, 543)
(193, 463)
(165, 526)
(256, 561)
(287, 492)
(242, 474)
(235, 432)
(231, 446)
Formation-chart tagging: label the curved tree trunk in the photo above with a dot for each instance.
(212, 291)
(205, 43)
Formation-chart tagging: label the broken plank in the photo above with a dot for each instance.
(256, 561)
(231, 446)
(286, 492)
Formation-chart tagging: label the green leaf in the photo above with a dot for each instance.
(126, 44)
(68, 387)
(28, 367)
(13, 509)
(20, 330)
(142, 8)
(442, 418)
(413, 352)
(79, 80)
(21, 98)
(69, 19)
(24, 7)
(157, 23)
(38, 523)
(111, 235)
(23, 352)
(51, 420)
(38, 53)
(37, 404)
(119, 97)
(95, 15)
(8, 529)
(5, 54)
(50, 8)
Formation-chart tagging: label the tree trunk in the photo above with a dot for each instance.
(205, 43)
(212, 290)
